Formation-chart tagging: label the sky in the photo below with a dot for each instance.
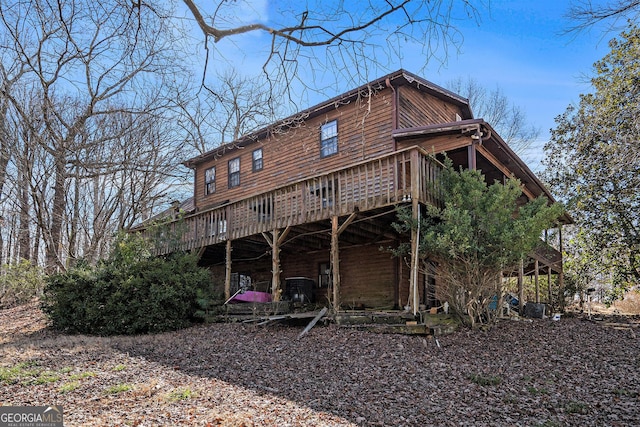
(519, 47)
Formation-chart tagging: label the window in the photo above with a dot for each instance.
(234, 172)
(329, 138)
(324, 275)
(257, 159)
(210, 181)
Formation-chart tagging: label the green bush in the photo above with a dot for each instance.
(20, 283)
(130, 293)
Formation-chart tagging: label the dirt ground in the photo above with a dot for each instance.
(574, 371)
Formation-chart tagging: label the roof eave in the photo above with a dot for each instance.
(401, 76)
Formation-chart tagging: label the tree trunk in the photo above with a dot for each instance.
(54, 240)
(73, 247)
(4, 161)
(24, 234)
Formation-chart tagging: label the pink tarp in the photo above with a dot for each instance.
(252, 296)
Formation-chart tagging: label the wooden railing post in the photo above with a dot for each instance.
(381, 182)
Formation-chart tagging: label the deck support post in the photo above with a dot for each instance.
(275, 241)
(561, 269)
(549, 284)
(550, 294)
(227, 272)
(335, 263)
(415, 231)
(537, 280)
(415, 247)
(275, 267)
(336, 230)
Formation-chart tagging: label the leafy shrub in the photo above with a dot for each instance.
(20, 283)
(130, 293)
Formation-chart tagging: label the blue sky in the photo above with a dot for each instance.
(516, 46)
(519, 47)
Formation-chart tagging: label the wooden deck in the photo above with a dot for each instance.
(384, 181)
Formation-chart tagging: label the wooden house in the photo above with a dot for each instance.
(311, 198)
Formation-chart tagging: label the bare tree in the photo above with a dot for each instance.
(121, 180)
(84, 61)
(509, 120)
(10, 72)
(93, 87)
(315, 43)
(224, 111)
(615, 13)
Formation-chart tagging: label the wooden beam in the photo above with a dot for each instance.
(274, 241)
(201, 251)
(268, 239)
(227, 272)
(505, 170)
(313, 322)
(346, 223)
(521, 288)
(283, 235)
(537, 280)
(335, 262)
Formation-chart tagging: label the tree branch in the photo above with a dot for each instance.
(287, 32)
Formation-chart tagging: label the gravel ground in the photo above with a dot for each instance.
(572, 372)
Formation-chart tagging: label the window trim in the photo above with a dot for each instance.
(234, 177)
(328, 142)
(207, 183)
(255, 167)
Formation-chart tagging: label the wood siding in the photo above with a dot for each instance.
(367, 275)
(367, 278)
(364, 131)
(439, 144)
(416, 108)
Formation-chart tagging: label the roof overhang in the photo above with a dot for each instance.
(491, 145)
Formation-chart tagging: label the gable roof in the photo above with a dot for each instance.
(397, 78)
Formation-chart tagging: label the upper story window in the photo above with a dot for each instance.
(329, 138)
(257, 160)
(210, 181)
(234, 172)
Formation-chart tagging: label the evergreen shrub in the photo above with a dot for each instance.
(131, 293)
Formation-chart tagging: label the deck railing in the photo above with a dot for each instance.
(384, 181)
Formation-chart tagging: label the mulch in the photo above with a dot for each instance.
(573, 372)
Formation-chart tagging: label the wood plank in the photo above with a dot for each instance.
(313, 322)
